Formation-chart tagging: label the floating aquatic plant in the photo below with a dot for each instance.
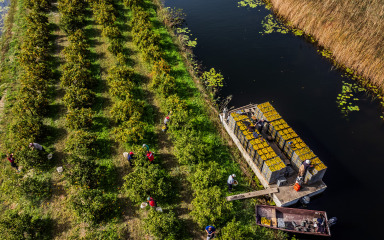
(251, 3)
(346, 100)
(271, 24)
(186, 37)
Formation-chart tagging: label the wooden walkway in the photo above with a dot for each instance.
(252, 194)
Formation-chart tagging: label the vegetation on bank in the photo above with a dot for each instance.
(103, 112)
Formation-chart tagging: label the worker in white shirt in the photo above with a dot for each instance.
(231, 181)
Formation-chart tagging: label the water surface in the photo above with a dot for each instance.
(3, 10)
(303, 86)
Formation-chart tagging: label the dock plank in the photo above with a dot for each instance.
(252, 194)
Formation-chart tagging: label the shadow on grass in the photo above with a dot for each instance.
(54, 110)
(52, 134)
(104, 147)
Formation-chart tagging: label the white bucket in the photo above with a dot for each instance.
(49, 156)
(235, 183)
(143, 205)
(159, 209)
(125, 154)
(59, 169)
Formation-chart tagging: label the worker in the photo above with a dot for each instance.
(304, 167)
(210, 232)
(151, 202)
(251, 128)
(130, 158)
(260, 124)
(11, 159)
(255, 134)
(231, 181)
(146, 146)
(36, 146)
(320, 222)
(166, 120)
(150, 156)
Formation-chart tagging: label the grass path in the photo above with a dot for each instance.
(63, 217)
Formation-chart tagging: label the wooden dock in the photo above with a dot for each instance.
(252, 194)
(287, 195)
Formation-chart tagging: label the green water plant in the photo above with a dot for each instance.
(271, 24)
(251, 3)
(346, 100)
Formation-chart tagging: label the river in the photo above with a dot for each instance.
(303, 86)
(3, 10)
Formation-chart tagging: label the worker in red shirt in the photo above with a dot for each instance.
(11, 159)
(150, 156)
(151, 202)
(130, 158)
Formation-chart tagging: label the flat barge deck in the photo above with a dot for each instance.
(287, 195)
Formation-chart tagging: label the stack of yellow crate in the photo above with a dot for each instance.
(233, 118)
(238, 122)
(256, 144)
(264, 155)
(293, 145)
(285, 135)
(276, 126)
(303, 155)
(266, 221)
(241, 134)
(272, 169)
(263, 108)
(299, 152)
(271, 116)
(260, 151)
(249, 137)
(318, 170)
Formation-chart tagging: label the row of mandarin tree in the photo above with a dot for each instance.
(32, 91)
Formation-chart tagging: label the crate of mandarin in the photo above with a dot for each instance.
(293, 145)
(275, 126)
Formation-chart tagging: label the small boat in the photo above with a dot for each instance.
(294, 220)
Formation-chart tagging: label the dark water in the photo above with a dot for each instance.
(302, 86)
(3, 5)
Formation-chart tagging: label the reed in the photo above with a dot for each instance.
(351, 30)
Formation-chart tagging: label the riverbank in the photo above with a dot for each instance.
(350, 30)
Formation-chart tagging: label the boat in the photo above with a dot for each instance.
(274, 152)
(302, 221)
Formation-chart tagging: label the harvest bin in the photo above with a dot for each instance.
(275, 126)
(273, 169)
(285, 135)
(293, 145)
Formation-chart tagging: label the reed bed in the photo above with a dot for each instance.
(352, 30)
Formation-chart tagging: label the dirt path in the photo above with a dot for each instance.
(2, 102)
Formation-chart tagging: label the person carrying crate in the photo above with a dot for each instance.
(304, 167)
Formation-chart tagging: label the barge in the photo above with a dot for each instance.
(274, 152)
(303, 221)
